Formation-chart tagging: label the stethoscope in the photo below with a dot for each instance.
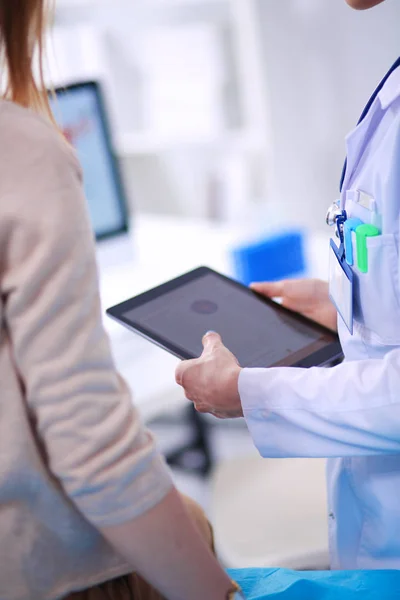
(334, 211)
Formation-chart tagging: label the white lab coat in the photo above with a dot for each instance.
(351, 413)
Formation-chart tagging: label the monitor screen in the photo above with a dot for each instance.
(80, 111)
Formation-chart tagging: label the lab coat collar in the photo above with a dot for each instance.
(355, 143)
(391, 90)
(356, 139)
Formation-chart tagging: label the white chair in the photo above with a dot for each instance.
(271, 513)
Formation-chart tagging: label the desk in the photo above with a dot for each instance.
(165, 247)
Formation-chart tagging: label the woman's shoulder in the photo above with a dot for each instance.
(37, 166)
(26, 135)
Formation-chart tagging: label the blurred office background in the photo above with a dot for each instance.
(228, 116)
(220, 105)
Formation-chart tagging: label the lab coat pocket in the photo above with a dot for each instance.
(376, 295)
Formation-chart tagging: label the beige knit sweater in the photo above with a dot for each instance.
(73, 453)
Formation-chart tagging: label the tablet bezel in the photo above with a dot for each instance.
(328, 355)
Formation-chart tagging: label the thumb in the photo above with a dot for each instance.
(211, 340)
(271, 289)
(181, 370)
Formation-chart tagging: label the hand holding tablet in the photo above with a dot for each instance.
(258, 332)
(211, 382)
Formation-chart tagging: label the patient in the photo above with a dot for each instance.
(85, 497)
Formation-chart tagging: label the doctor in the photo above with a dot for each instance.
(350, 413)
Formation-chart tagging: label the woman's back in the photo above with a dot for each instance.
(81, 482)
(55, 364)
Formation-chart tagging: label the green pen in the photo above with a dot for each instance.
(362, 233)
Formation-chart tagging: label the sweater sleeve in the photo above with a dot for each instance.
(352, 409)
(82, 412)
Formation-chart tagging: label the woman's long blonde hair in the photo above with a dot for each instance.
(22, 35)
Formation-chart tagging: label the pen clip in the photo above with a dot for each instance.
(362, 233)
(350, 226)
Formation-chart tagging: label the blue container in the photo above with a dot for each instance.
(276, 257)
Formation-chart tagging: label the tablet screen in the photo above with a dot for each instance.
(258, 334)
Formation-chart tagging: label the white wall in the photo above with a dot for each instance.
(166, 72)
(322, 62)
(122, 27)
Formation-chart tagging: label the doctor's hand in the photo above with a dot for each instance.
(309, 297)
(211, 381)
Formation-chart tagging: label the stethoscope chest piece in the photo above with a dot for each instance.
(333, 213)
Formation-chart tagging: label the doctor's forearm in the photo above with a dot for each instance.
(352, 409)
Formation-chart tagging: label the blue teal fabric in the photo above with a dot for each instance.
(282, 584)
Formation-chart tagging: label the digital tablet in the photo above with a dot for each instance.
(259, 332)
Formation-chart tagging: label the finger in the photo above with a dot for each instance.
(188, 397)
(271, 289)
(200, 408)
(211, 340)
(220, 415)
(181, 370)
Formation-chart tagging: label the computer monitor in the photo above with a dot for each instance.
(80, 111)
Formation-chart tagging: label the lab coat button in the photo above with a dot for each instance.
(332, 516)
